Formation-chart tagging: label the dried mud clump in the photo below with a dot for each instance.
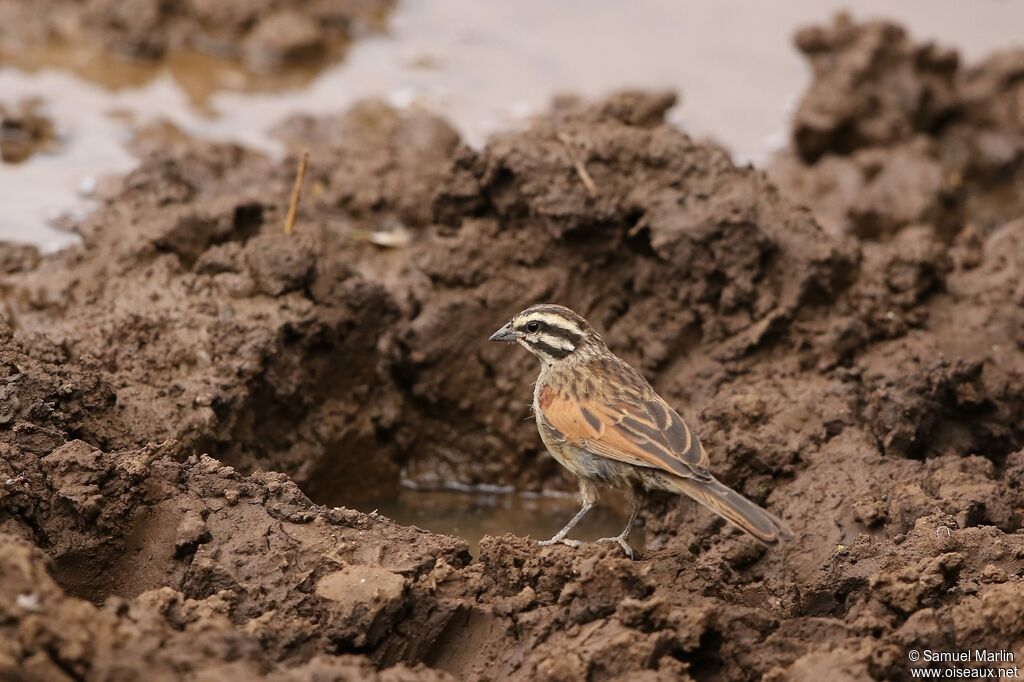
(24, 131)
(882, 89)
(265, 36)
(868, 391)
(375, 164)
(893, 133)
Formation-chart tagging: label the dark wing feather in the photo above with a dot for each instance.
(643, 432)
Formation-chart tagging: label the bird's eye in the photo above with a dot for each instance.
(532, 327)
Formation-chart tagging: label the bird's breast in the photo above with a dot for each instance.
(545, 396)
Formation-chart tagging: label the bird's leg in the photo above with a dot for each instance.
(588, 496)
(636, 500)
(559, 537)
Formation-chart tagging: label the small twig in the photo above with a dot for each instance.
(577, 163)
(939, 530)
(293, 206)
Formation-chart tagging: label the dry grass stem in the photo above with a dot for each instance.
(577, 163)
(293, 205)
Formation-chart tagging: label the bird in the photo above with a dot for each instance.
(601, 420)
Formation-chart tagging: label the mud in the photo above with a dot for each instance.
(862, 383)
(25, 129)
(894, 133)
(264, 36)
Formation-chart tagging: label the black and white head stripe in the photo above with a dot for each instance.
(551, 330)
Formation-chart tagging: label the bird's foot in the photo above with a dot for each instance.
(621, 542)
(575, 544)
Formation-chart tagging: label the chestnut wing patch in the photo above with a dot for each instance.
(648, 433)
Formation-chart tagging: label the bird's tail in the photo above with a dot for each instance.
(735, 508)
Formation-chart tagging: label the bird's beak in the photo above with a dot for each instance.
(505, 334)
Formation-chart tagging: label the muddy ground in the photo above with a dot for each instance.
(25, 129)
(194, 403)
(265, 36)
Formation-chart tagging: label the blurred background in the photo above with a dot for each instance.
(77, 77)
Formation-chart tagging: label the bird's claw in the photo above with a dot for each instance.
(621, 542)
(575, 544)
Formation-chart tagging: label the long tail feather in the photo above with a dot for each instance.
(735, 508)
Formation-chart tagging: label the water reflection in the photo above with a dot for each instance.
(473, 514)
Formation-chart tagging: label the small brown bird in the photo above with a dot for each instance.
(603, 422)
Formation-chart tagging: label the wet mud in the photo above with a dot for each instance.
(196, 404)
(264, 36)
(25, 129)
(895, 133)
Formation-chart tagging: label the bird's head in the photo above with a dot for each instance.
(553, 333)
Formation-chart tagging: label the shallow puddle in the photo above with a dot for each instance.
(471, 515)
(484, 66)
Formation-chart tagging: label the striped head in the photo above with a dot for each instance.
(553, 333)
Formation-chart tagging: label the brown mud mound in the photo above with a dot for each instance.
(893, 133)
(319, 352)
(869, 393)
(186, 551)
(265, 36)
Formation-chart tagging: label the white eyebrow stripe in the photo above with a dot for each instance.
(555, 321)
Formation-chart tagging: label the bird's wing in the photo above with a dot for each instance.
(645, 432)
